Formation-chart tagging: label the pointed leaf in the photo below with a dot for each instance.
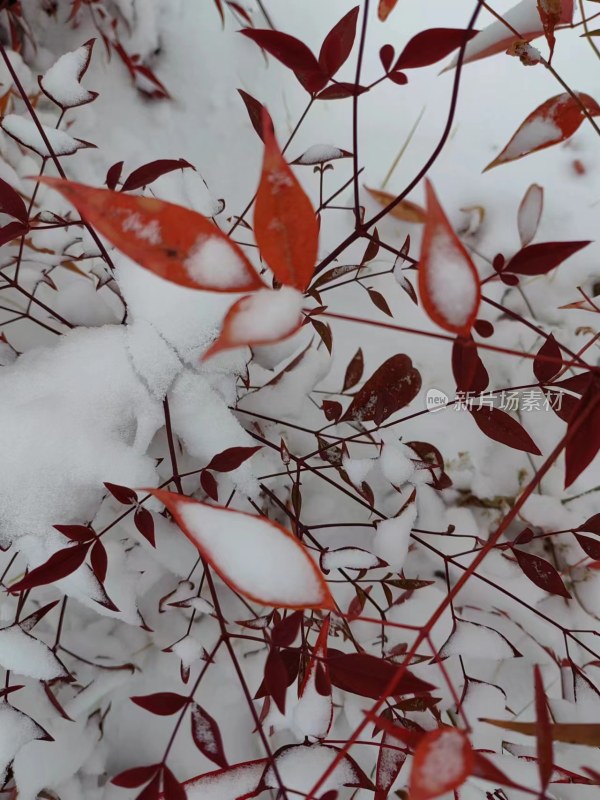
(338, 43)
(99, 560)
(242, 548)
(385, 8)
(530, 213)
(293, 53)
(162, 703)
(61, 83)
(391, 387)
(257, 113)
(591, 547)
(468, 369)
(405, 210)
(448, 280)
(11, 203)
(442, 762)
(134, 777)
(369, 676)
(584, 437)
(543, 370)
(122, 494)
(232, 458)
(354, 370)
(501, 427)
(172, 788)
(431, 46)
(144, 522)
(542, 731)
(148, 173)
(58, 566)
(541, 572)
(538, 259)
(207, 736)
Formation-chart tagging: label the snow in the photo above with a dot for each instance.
(226, 785)
(61, 81)
(26, 133)
(393, 537)
(22, 653)
(396, 464)
(146, 231)
(535, 133)
(320, 153)
(299, 767)
(212, 262)
(357, 468)
(348, 558)
(450, 280)
(312, 714)
(477, 641)
(189, 650)
(444, 763)
(16, 729)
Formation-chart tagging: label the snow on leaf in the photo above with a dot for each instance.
(321, 154)
(16, 730)
(442, 762)
(207, 736)
(393, 537)
(62, 82)
(405, 210)
(238, 782)
(390, 760)
(173, 242)
(530, 212)
(264, 317)
(22, 653)
(392, 386)
(551, 123)
(313, 713)
(285, 226)
(253, 555)
(348, 558)
(297, 766)
(26, 132)
(470, 639)
(338, 43)
(448, 280)
(500, 426)
(431, 46)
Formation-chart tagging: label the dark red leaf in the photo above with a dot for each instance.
(148, 173)
(207, 736)
(468, 369)
(339, 91)
(291, 660)
(293, 53)
(543, 731)
(398, 77)
(590, 546)
(132, 778)
(113, 175)
(386, 56)
(584, 437)
(231, 458)
(11, 202)
(286, 631)
(276, 678)
(338, 43)
(501, 427)
(591, 525)
(430, 46)
(332, 794)
(152, 790)
(332, 410)
(121, 493)
(391, 387)
(11, 231)
(484, 328)
(162, 703)
(369, 676)
(172, 788)
(144, 522)
(209, 485)
(354, 370)
(32, 620)
(59, 565)
(525, 536)
(77, 533)
(543, 370)
(99, 560)
(541, 572)
(379, 301)
(256, 112)
(538, 259)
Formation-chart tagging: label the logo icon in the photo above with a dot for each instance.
(435, 400)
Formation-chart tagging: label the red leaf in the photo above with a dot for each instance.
(99, 560)
(245, 778)
(429, 47)
(11, 231)
(148, 173)
(442, 762)
(538, 259)
(152, 790)
(209, 485)
(341, 90)
(448, 280)
(113, 174)
(261, 318)
(162, 703)
(257, 112)
(338, 43)
(389, 763)
(591, 525)
(544, 371)
(386, 56)
(332, 410)
(172, 788)
(584, 441)
(379, 301)
(144, 522)
(385, 8)
(11, 203)
(551, 123)
(468, 369)
(543, 731)
(590, 546)
(391, 387)
(293, 53)
(286, 631)
(550, 12)
(354, 370)
(530, 212)
(369, 676)
(541, 572)
(132, 778)
(32, 620)
(501, 427)
(285, 226)
(59, 565)
(122, 494)
(77, 533)
(242, 549)
(276, 678)
(232, 458)
(173, 242)
(207, 736)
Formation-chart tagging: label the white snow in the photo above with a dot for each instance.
(212, 262)
(348, 558)
(16, 729)
(61, 81)
(264, 316)
(477, 641)
(320, 153)
(535, 133)
(312, 714)
(392, 537)
(450, 280)
(300, 767)
(396, 464)
(444, 764)
(226, 785)
(26, 133)
(22, 653)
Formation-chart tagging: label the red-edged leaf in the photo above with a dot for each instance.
(209, 485)
(144, 522)
(173, 242)
(68, 71)
(354, 370)
(99, 560)
(172, 788)
(285, 226)
(162, 703)
(257, 113)
(232, 458)
(338, 43)
(541, 572)
(122, 494)
(242, 549)
(59, 565)
(551, 123)
(468, 369)
(442, 762)
(550, 12)
(207, 736)
(113, 174)
(285, 632)
(538, 259)
(448, 280)
(385, 8)
(389, 763)
(543, 732)
(137, 776)
(148, 173)
(530, 213)
(293, 53)
(369, 676)
(241, 781)
(264, 317)
(431, 46)
(11, 202)
(501, 427)
(77, 533)
(391, 387)
(584, 442)
(543, 370)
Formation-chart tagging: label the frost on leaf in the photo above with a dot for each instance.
(442, 762)
(62, 82)
(551, 123)
(253, 555)
(173, 242)
(448, 280)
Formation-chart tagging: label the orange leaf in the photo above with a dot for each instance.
(264, 317)
(551, 123)
(405, 210)
(173, 242)
(254, 556)
(385, 8)
(285, 226)
(442, 762)
(448, 280)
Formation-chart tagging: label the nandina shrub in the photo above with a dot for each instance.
(299, 488)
